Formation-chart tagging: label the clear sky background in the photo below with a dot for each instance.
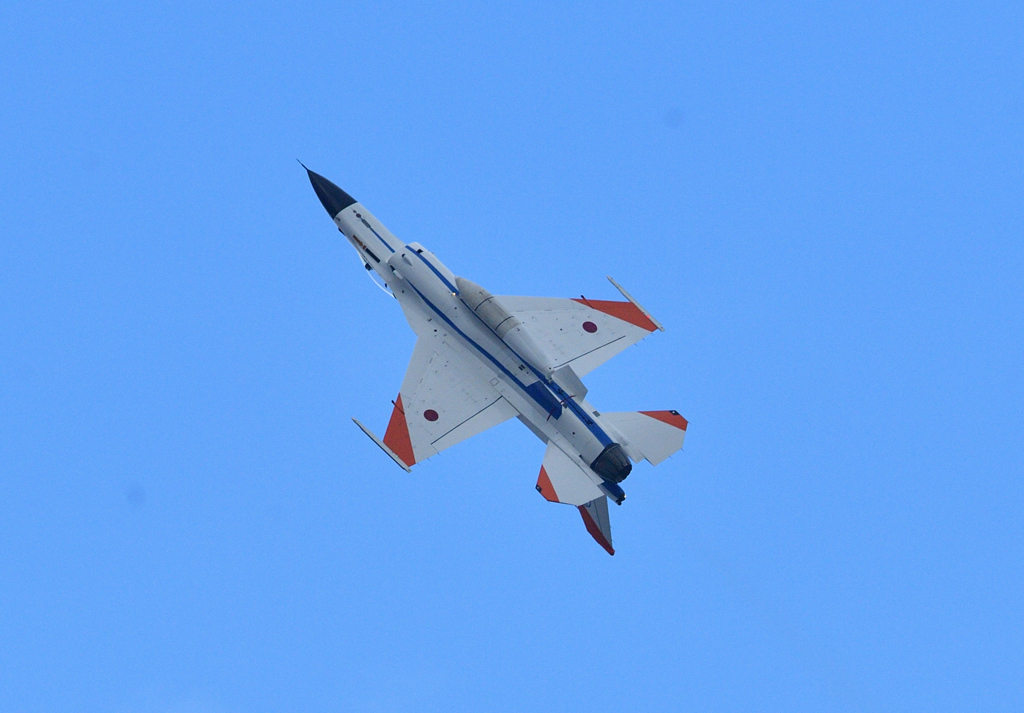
(823, 206)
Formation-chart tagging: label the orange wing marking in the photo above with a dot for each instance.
(626, 311)
(397, 436)
(672, 418)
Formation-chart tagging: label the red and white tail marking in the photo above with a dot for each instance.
(595, 517)
(654, 435)
(545, 488)
(561, 480)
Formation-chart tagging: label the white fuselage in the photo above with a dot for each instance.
(431, 301)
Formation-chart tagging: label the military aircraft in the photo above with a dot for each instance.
(482, 359)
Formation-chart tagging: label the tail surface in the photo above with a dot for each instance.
(595, 517)
(651, 435)
(562, 480)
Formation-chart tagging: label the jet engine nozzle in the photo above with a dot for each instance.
(613, 463)
(504, 324)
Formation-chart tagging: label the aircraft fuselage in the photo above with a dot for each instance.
(433, 298)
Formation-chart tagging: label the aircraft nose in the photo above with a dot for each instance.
(334, 199)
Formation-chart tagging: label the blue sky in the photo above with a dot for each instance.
(822, 205)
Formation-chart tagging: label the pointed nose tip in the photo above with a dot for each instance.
(334, 199)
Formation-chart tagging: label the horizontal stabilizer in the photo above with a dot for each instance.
(654, 435)
(563, 481)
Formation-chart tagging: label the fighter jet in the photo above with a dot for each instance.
(481, 359)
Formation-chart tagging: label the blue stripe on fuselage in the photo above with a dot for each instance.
(580, 413)
(565, 399)
(451, 288)
(576, 409)
(376, 233)
(543, 396)
(465, 336)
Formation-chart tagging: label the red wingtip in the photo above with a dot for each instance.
(397, 436)
(626, 311)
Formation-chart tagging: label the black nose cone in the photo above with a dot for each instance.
(334, 199)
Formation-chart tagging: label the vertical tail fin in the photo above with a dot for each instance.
(562, 480)
(595, 517)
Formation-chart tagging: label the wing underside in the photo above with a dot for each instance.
(444, 399)
(581, 333)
